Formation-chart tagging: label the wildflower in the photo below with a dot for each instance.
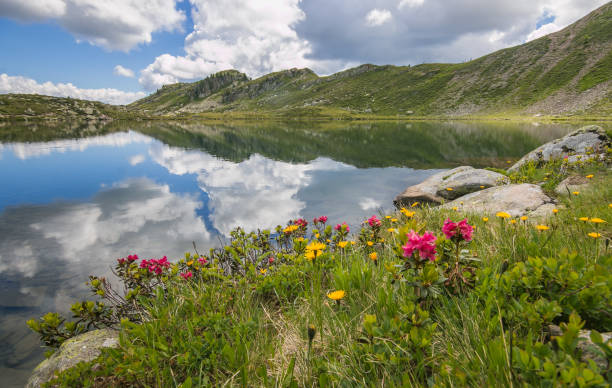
(594, 235)
(508, 161)
(597, 220)
(589, 176)
(425, 245)
(353, 243)
(317, 235)
(328, 241)
(449, 189)
(314, 250)
(263, 271)
(542, 227)
(414, 204)
(502, 215)
(270, 260)
(343, 227)
(584, 219)
(575, 192)
(336, 295)
(407, 213)
(190, 263)
(132, 258)
(370, 243)
(393, 219)
(513, 222)
(342, 244)
(482, 187)
(186, 275)
(374, 222)
(610, 205)
(524, 218)
(373, 256)
(291, 229)
(391, 230)
(455, 208)
(555, 211)
(387, 217)
(301, 223)
(485, 219)
(457, 231)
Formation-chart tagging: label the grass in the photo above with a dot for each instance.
(243, 319)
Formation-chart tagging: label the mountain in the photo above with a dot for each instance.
(569, 71)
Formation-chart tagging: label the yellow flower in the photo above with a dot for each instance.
(387, 217)
(342, 244)
(610, 205)
(455, 208)
(290, 228)
(485, 219)
(263, 271)
(314, 250)
(508, 161)
(594, 235)
(352, 242)
(391, 230)
(597, 220)
(502, 215)
(190, 262)
(575, 192)
(393, 219)
(513, 221)
(585, 219)
(542, 227)
(407, 213)
(317, 235)
(300, 239)
(589, 176)
(373, 256)
(370, 243)
(449, 189)
(336, 295)
(555, 211)
(482, 187)
(415, 204)
(524, 218)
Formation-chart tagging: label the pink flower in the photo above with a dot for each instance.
(301, 222)
(132, 258)
(425, 245)
(186, 275)
(121, 261)
(457, 231)
(323, 219)
(374, 222)
(271, 260)
(203, 260)
(343, 227)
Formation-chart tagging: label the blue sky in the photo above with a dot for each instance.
(72, 47)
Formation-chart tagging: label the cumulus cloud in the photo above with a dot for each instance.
(123, 72)
(410, 3)
(18, 84)
(112, 24)
(253, 36)
(377, 17)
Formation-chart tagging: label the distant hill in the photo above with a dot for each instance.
(568, 72)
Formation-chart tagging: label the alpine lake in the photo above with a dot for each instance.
(75, 197)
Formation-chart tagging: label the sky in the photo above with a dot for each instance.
(117, 51)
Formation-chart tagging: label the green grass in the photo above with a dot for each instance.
(601, 72)
(394, 327)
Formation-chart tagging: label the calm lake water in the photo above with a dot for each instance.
(75, 198)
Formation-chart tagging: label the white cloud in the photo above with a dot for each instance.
(410, 3)
(369, 204)
(253, 36)
(137, 159)
(123, 72)
(378, 17)
(112, 24)
(18, 84)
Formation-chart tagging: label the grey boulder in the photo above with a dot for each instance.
(461, 180)
(84, 347)
(584, 143)
(516, 200)
(571, 184)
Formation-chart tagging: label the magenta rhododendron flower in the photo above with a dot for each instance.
(339, 227)
(301, 222)
(155, 265)
(425, 245)
(271, 260)
(374, 222)
(458, 230)
(323, 219)
(203, 260)
(186, 275)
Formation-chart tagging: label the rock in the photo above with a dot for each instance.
(543, 212)
(84, 347)
(571, 184)
(591, 139)
(462, 180)
(589, 350)
(516, 200)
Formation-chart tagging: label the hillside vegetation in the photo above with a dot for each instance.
(567, 71)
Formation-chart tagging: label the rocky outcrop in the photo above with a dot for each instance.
(571, 184)
(584, 143)
(516, 200)
(448, 185)
(84, 347)
(588, 349)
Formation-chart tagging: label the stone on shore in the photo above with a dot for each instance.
(516, 200)
(582, 144)
(571, 184)
(84, 347)
(461, 180)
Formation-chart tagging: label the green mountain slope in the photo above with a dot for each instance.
(569, 71)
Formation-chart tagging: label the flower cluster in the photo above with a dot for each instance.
(374, 222)
(300, 222)
(425, 245)
(129, 259)
(322, 219)
(155, 265)
(342, 227)
(458, 230)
